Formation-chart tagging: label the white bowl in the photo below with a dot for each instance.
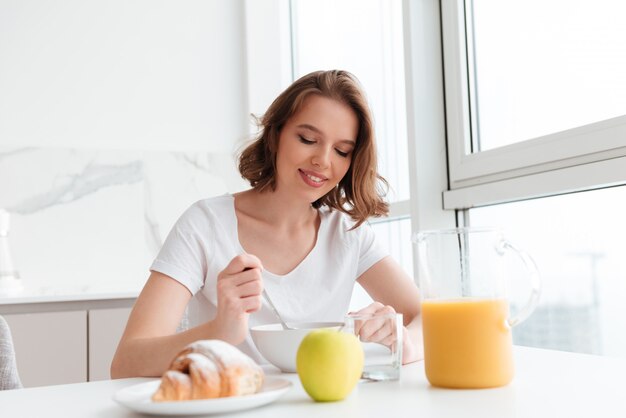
(279, 346)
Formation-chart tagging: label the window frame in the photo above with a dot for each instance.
(582, 158)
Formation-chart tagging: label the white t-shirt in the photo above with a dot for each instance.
(205, 239)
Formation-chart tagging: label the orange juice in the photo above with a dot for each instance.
(467, 343)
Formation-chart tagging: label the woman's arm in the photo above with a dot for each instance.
(393, 290)
(150, 341)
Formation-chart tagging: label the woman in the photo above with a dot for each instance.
(299, 232)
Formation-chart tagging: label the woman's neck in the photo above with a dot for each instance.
(275, 208)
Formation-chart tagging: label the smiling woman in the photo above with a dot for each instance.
(298, 234)
(319, 161)
(343, 103)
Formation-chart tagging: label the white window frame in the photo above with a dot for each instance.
(578, 159)
(425, 115)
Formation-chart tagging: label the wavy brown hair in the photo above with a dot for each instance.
(360, 192)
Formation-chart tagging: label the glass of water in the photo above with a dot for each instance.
(381, 338)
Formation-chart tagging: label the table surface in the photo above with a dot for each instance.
(547, 384)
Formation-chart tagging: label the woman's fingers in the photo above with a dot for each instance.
(376, 329)
(250, 289)
(365, 312)
(239, 285)
(251, 304)
(243, 277)
(378, 326)
(242, 262)
(369, 309)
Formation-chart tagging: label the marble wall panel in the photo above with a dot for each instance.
(98, 217)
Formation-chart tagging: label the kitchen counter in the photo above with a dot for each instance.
(80, 327)
(547, 384)
(44, 294)
(63, 298)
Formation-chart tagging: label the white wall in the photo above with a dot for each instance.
(115, 115)
(123, 74)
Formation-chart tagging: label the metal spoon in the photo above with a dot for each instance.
(269, 302)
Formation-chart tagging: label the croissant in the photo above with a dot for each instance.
(209, 369)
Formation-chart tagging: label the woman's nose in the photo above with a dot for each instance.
(321, 158)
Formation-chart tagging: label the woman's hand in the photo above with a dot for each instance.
(376, 329)
(239, 288)
(383, 331)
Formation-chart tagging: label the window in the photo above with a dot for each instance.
(576, 241)
(533, 111)
(536, 118)
(364, 37)
(516, 116)
(537, 77)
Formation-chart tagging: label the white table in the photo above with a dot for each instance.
(547, 384)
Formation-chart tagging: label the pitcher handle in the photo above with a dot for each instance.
(535, 284)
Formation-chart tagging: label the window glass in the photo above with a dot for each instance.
(365, 38)
(577, 242)
(396, 235)
(545, 66)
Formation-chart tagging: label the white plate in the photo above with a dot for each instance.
(138, 398)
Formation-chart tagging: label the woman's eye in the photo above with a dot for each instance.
(342, 153)
(304, 140)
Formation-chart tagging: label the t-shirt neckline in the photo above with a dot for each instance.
(235, 231)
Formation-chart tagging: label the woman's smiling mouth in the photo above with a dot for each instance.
(312, 178)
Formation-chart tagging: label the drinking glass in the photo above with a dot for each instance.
(383, 360)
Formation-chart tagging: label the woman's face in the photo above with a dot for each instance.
(315, 147)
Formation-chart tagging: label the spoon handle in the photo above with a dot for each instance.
(269, 302)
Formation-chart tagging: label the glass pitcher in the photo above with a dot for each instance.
(465, 310)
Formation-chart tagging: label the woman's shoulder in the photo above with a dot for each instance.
(222, 202)
(341, 223)
(210, 208)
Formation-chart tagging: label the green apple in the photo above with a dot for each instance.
(329, 364)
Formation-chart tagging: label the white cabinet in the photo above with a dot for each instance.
(50, 347)
(105, 330)
(65, 341)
